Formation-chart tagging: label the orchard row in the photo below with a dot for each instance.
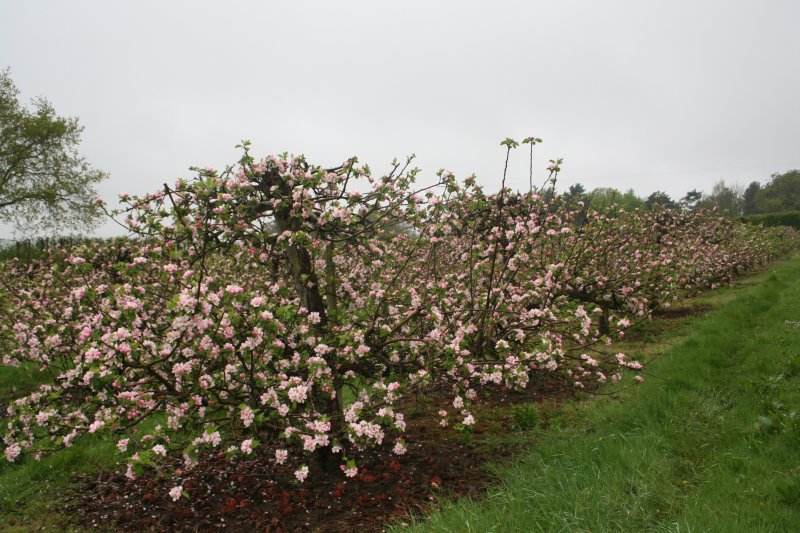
(285, 307)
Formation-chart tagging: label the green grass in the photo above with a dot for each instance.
(31, 493)
(18, 381)
(711, 444)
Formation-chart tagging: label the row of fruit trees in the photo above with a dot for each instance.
(286, 310)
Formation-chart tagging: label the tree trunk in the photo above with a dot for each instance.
(330, 281)
(605, 328)
(306, 282)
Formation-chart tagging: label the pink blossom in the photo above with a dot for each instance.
(301, 474)
(247, 446)
(176, 492)
(12, 452)
(298, 394)
(281, 456)
(247, 415)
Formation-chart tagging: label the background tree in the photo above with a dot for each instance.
(662, 199)
(576, 192)
(782, 193)
(630, 201)
(44, 182)
(689, 202)
(727, 199)
(602, 198)
(749, 198)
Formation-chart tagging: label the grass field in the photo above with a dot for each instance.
(711, 444)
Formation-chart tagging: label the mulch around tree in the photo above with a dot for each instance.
(255, 495)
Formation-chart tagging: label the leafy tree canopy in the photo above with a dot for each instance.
(44, 182)
(749, 198)
(728, 200)
(662, 199)
(782, 193)
(576, 190)
(689, 201)
(604, 197)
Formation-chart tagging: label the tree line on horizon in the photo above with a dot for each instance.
(780, 194)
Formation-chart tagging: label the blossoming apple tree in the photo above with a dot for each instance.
(287, 308)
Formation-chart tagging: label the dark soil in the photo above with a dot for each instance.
(257, 495)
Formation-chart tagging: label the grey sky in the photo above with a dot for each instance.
(654, 95)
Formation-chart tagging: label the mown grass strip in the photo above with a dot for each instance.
(710, 446)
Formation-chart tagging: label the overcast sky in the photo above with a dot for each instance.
(653, 95)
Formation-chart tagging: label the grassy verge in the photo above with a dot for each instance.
(709, 445)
